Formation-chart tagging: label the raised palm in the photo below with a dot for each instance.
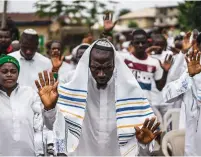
(47, 90)
(167, 63)
(57, 61)
(148, 132)
(193, 62)
(186, 44)
(108, 24)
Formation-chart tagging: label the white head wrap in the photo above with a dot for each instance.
(74, 51)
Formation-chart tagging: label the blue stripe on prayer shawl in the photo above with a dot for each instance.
(123, 143)
(74, 133)
(71, 105)
(125, 136)
(71, 98)
(131, 99)
(133, 108)
(75, 90)
(135, 116)
(74, 123)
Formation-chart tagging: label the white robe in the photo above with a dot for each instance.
(29, 69)
(17, 121)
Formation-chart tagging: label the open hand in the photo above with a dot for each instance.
(193, 62)
(47, 90)
(148, 132)
(186, 44)
(57, 62)
(167, 63)
(108, 24)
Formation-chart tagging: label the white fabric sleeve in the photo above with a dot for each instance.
(159, 72)
(176, 88)
(49, 117)
(37, 109)
(150, 146)
(196, 83)
(178, 67)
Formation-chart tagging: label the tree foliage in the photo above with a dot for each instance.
(132, 24)
(123, 12)
(88, 10)
(190, 15)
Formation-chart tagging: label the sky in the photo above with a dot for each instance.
(28, 5)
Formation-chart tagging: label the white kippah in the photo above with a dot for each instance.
(30, 31)
(103, 43)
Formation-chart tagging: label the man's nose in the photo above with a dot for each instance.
(101, 73)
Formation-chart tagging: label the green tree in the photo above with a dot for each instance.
(132, 24)
(190, 15)
(88, 10)
(123, 12)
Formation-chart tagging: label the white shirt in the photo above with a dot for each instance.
(146, 71)
(17, 121)
(29, 69)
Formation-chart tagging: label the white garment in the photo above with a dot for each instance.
(184, 88)
(17, 121)
(99, 136)
(146, 71)
(157, 99)
(177, 69)
(90, 115)
(101, 133)
(66, 78)
(63, 72)
(29, 69)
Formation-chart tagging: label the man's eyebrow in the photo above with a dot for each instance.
(94, 62)
(107, 63)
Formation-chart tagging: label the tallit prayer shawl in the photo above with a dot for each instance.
(132, 108)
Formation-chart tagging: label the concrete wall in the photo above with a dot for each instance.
(142, 22)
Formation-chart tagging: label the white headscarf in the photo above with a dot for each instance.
(74, 51)
(132, 108)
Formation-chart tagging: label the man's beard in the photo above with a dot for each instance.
(3, 48)
(101, 86)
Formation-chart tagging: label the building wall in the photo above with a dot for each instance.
(167, 16)
(141, 22)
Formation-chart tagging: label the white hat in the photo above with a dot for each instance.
(30, 31)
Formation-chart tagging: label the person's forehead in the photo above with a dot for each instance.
(99, 52)
(158, 40)
(55, 44)
(28, 44)
(101, 56)
(81, 50)
(140, 37)
(8, 66)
